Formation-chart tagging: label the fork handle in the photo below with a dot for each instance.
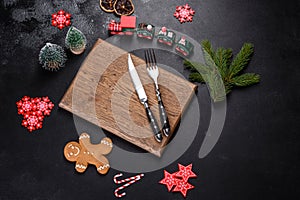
(155, 128)
(163, 115)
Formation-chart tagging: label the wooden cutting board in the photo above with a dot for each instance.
(103, 94)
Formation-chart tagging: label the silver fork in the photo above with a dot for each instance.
(153, 72)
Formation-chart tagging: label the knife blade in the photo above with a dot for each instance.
(143, 99)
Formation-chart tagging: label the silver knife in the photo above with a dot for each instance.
(143, 99)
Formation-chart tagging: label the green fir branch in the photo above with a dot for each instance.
(208, 48)
(219, 72)
(222, 60)
(246, 79)
(196, 77)
(197, 67)
(241, 60)
(189, 65)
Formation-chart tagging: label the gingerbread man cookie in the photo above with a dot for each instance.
(84, 153)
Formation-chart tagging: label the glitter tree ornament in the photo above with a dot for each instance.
(184, 13)
(75, 40)
(52, 57)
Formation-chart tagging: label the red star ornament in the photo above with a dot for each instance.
(169, 180)
(182, 186)
(185, 172)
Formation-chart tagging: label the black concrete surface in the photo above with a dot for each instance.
(257, 156)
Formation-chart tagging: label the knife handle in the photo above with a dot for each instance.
(163, 115)
(153, 123)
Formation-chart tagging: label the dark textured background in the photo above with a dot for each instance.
(257, 155)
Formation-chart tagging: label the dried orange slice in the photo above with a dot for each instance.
(107, 5)
(123, 7)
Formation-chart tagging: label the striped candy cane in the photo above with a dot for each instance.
(130, 181)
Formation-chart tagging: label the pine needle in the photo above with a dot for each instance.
(207, 47)
(222, 59)
(246, 79)
(196, 77)
(241, 60)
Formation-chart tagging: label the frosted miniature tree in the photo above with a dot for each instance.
(75, 40)
(52, 57)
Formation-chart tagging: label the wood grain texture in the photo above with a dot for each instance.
(103, 94)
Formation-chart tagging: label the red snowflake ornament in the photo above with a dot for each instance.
(32, 122)
(24, 106)
(61, 19)
(34, 110)
(169, 180)
(184, 13)
(182, 186)
(185, 172)
(45, 106)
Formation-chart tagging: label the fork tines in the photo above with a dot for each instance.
(150, 58)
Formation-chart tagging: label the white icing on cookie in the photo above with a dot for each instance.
(106, 143)
(83, 136)
(103, 167)
(80, 166)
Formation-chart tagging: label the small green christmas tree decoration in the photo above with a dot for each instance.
(75, 40)
(221, 67)
(52, 57)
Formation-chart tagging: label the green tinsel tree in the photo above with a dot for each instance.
(52, 57)
(75, 40)
(221, 67)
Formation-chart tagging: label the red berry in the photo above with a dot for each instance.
(24, 123)
(19, 103)
(68, 22)
(54, 23)
(25, 98)
(50, 105)
(61, 12)
(61, 26)
(39, 126)
(46, 99)
(68, 15)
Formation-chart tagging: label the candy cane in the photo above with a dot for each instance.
(131, 181)
(127, 179)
